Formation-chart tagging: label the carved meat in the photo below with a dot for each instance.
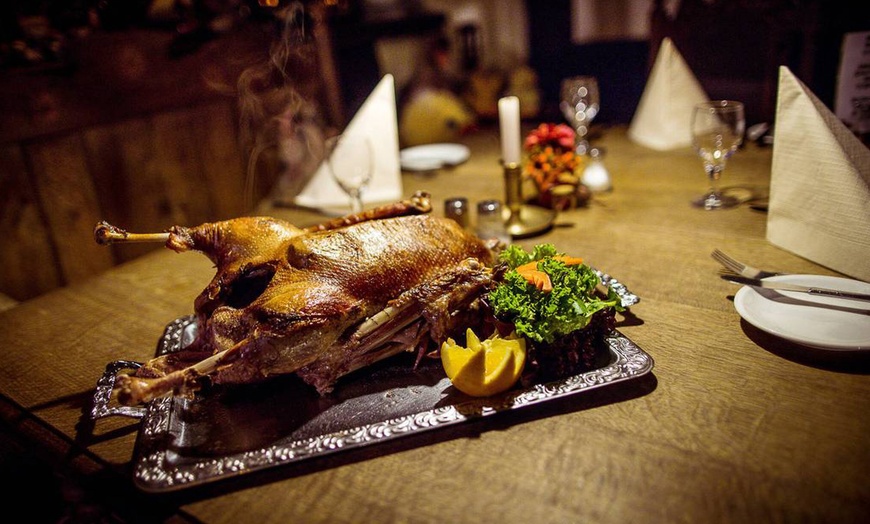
(320, 302)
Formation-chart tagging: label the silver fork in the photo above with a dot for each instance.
(739, 267)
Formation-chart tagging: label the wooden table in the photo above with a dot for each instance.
(733, 425)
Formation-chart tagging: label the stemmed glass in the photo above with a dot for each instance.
(717, 132)
(579, 105)
(351, 162)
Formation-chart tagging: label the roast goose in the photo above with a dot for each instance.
(320, 302)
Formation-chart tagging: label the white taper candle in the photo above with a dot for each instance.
(509, 127)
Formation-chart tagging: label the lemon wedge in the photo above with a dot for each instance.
(484, 368)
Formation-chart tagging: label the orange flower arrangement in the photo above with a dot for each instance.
(551, 160)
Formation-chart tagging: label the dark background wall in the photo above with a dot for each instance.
(734, 47)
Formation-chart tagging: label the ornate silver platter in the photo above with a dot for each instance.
(234, 431)
(230, 431)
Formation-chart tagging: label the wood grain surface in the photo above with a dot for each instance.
(125, 132)
(733, 425)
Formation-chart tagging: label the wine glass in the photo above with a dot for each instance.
(351, 161)
(579, 105)
(717, 132)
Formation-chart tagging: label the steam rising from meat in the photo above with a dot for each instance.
(281, 121)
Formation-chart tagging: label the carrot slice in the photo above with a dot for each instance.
(568, 260)
(538, 278)
(531, 266)
(535, 277)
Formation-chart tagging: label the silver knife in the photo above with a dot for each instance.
(783, 286)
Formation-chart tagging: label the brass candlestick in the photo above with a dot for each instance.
(522, 220)
(513, 195)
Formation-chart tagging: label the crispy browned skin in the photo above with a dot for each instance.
(283, 297)
(324, 281)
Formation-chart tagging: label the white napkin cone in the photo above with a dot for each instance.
(820, 184)
(663, 117)
(376, 119)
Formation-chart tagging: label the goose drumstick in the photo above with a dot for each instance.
(105, 233)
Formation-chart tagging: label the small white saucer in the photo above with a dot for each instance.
(430, 157)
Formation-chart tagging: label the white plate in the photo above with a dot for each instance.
(433, 156)
(822, 322)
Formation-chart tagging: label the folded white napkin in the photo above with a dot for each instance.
(663, 117)
(376, 119)
(820, 183)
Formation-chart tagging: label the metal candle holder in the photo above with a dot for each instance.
(522, 220)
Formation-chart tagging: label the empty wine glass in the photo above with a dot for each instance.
(717, 132)
(579, 105)
(350, 160)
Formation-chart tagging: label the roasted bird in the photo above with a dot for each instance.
(320, 302)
